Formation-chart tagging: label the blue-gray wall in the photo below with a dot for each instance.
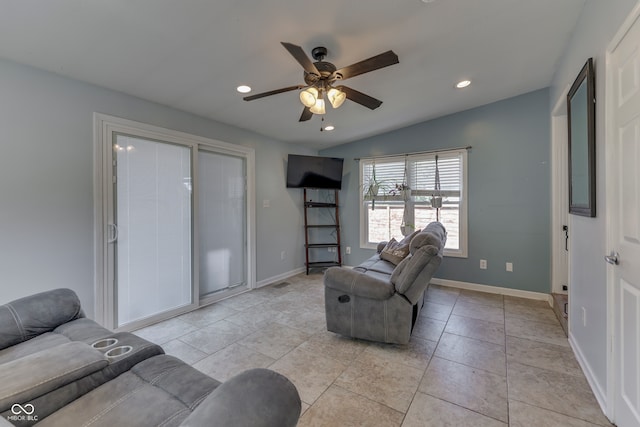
(46, 181)
(594, 31)
(509, 188)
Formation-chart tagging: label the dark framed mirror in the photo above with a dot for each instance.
(581, 115)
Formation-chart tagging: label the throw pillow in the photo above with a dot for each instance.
(394, 252)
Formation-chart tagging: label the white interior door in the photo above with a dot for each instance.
(623, 160)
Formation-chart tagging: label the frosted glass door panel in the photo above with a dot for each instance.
(153, 215)
(222, 226)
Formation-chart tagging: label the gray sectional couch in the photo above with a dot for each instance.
(379, 300)
(59, 368)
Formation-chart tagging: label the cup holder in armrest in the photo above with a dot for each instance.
(119, 351)
(104, 343)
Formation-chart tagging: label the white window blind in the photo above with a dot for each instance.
(382, 213)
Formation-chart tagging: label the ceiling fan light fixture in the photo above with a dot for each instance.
(309, 96)
(336, 97)
(318, 107)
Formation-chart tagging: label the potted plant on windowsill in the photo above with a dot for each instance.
(373, 188)
(404, 191)
(436, 200)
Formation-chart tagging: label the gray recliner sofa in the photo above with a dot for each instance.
(59, 368)
(378, 300)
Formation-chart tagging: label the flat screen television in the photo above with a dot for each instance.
(314, 172)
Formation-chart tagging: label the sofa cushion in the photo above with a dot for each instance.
(39, 373)
(394, 252)
(161, 390)
(409, 269)
(31, 316)
(357, 283)
(34, 345)
(407, 239)
(376, 264)
(433, 235)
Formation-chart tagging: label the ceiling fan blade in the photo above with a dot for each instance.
(361, 98)
(301, 57)
(272, 92)
(374, 63)
(306, 115)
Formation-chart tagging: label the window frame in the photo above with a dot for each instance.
(462, 251)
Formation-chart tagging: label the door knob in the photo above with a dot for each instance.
(612, 258)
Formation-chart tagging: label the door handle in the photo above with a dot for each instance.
(612, 258)
(114, 233)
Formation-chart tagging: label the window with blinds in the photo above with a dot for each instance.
(384, 207)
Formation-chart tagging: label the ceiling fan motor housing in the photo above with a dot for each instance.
(327, 73)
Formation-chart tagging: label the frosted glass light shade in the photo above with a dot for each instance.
(336, 97)
(309, 96)
(318, 107)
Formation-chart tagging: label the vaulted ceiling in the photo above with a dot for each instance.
(192, 54)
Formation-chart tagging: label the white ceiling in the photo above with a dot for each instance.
(191, 54)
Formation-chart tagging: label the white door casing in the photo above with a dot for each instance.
(105, 127)
(623, 220)
(560, 197)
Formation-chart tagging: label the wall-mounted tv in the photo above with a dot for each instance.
(314, 172)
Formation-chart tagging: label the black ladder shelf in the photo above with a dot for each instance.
(314, 246)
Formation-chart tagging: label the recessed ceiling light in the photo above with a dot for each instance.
(463, 84)
(329, 127)
(428, 1)
(243, 89)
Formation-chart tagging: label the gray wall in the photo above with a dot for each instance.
(509, 188)
(595, 29)
(46, 172)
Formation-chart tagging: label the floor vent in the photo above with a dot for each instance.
(281, 285)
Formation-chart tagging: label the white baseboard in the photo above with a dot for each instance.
(279, 277)
(598, 392)
(494, 290)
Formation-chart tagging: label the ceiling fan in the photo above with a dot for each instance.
(320, 78)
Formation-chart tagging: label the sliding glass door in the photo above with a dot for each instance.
(152, 232)
(222, 225)
(175, 222)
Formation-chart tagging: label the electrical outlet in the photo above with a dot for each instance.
(483, 264)
(283, 255)
(348, 250)
(509, 266)
(266, 203)
(584, 317)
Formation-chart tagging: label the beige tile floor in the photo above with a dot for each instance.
(474, 359)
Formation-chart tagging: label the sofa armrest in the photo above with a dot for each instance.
(257, 398)
(353, 282)
(381, 246)
(28, 317)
